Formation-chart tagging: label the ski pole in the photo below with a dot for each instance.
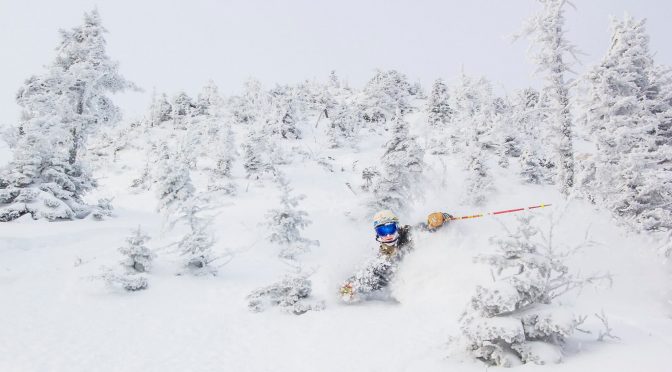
(498, 212)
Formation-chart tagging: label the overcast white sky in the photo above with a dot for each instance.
(178, 45)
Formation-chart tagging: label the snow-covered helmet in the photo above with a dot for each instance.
(386, 224)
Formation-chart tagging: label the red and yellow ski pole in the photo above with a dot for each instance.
(498, 212)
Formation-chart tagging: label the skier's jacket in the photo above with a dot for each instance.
(379, 271)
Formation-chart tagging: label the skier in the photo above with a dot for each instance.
(395, 243)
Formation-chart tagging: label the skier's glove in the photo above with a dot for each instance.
(347, 293)
(437, 219)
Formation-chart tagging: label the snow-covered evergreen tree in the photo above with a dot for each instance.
(479, 182)
(290, 294)
(224, 156)
(515, 319)
(282, 119)
(386, 93)
(471, 134)
(628, 110)
(345, 122)
(256, 154)
(529, 116)
(137, 257)
(160, 110)
(86, 76)
(41, 182)
(438, 108)
(287, 222)
(252, 104)
(473, 115)
(402, 166)
(172, 178)
(196, 245)
(60, 109)
(183, 110)
(208, 100)
(550, 48)
(136, 262)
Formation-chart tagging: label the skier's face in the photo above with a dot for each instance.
(387, 233)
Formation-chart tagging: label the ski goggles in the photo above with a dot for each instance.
(387, 229)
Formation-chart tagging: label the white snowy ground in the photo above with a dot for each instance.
(53, 317)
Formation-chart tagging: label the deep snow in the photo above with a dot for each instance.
(55, 317)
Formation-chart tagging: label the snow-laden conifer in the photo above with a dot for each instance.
(402, 166)
(172, 179)
(256, 154)
(137, 257)
(473, 112)
(471, 134)
(282, 118)
(41, 182)
(628, 110)
(438, 108)
(137, 260)
(160, 110)
(550, 51)
(479, 182)
(251, 105)
(529, 116)
(344, 124)
(291, 294)
(516, 319)
(60, 109)
(224, 156)
(183, 110)
(286, 223)
(197, 245)
(386, 93)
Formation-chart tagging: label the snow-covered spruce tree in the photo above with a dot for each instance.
(529, 115)
(224, 156)
(60, 109)
(438, 109)
(515, 319)
(251, 105)
(208, 100)
(507, 138)
(402, 165)
(137, 257)
(160, 110)
(385, 94)
(196, 245)
(173, 179)
(256, 155)
(287, 222)
(41, 182)
(290, 294)
(479, 182)
(87, 75)
(345, 122)
(628, 110)
(183, 110)
(471, 134)
(283, 117)
(471, 102)
(550, 48)
(137, 261)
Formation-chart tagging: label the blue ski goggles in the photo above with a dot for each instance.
(387, 229)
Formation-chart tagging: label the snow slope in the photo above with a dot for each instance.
(56, 317)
